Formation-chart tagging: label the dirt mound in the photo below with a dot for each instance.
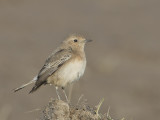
(60, 110)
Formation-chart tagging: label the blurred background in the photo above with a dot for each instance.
(123, 60)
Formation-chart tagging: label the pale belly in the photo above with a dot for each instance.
(68, 73)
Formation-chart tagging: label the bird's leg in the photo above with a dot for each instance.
(57, 93)
(65, 94)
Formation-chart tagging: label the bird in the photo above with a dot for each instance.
(65, 65)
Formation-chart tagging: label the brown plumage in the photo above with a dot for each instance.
(65, 65)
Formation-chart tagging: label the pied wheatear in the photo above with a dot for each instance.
(65, 65)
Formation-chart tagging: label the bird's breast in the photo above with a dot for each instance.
(71, 71)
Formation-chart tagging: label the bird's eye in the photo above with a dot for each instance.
(75, 40)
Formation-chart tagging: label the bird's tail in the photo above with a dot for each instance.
(24, 85)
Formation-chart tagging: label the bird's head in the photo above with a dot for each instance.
(76, 42)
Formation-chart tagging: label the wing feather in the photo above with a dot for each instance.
(51, 65)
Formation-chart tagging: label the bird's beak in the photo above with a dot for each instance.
(88, 41)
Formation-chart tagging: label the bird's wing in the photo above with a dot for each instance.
(51, 65)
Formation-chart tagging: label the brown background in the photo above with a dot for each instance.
(123, 61)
